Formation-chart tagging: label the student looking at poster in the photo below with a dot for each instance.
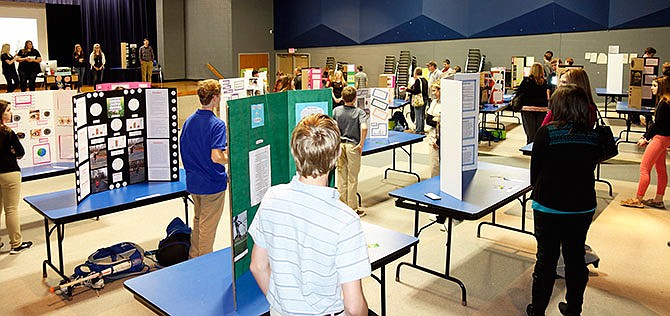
(204, 154)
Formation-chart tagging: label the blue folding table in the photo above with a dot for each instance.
(203, 285)
(623, 108)
(610, 96)
(61, 208)
(45, 171)
(395, 140)
(485, 190)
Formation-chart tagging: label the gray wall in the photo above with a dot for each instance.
(208, 38)
(252, 22)
(498, 51)
(170, 33)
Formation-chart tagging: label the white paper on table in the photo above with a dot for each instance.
(587, 56)
(602, 59)
(594, 57)
(158, 125)
(613, 49)
(260, 173)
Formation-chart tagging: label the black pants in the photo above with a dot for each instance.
(12, 81)
(531, 123)
(554, 232)
(97, 76)
(27, 80)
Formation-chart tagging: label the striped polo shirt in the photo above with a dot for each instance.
(315, 244)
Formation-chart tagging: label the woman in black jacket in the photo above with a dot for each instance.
(565, 154)
(534, 94)
(79, 64)
(420, 86)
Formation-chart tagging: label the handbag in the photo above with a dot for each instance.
(606, 140)
(516, 104)
(417, 99)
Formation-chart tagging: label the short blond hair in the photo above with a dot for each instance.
(207, 89)
(349, 94)
(315, 145)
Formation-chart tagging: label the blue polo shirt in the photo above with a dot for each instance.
(202, 132)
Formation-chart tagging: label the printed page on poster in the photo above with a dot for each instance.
(158, 125)
(260, 175)
(158, 159)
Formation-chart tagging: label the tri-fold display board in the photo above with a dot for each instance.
(259, 134)
(123, 137)
(42, 120)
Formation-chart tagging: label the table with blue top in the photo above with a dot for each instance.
(46, 171)
(203, 285)
(610, 96)
(622, 108)
(485, 190)
(507, 98)
(61, 208)
(496, 110)
(395, 140)
(527, 150)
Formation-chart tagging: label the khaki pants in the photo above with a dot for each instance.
(147, 68)
(10, 192)
(208, 210)
(348, 166)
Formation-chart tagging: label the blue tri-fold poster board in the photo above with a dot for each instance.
(259, 134)
(123, 137)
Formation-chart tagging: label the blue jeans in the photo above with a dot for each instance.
(419, 118)
(81, 71)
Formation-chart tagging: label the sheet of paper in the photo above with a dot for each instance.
(84, 187)
(66, 147)
(625, 59)
(631, 56)
(158, 105)
(260, 175)
(82, 144)
(80, 109)
(587, 56)
(602, 59)
(158, 153)
(594, 57)
(613, 49)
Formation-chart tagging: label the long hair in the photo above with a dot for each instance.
(663, 93)
(99, 51)
(5, 48)
(537, 73)
(75, 48)
(569, 104)
(579, 77)
(3, 106)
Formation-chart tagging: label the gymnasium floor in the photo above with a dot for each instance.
(496, 268)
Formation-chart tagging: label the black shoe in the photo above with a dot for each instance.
(563, 308)
(668, 243)
(23, 246)
(530, 311)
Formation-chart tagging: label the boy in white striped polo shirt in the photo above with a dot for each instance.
(310, 252)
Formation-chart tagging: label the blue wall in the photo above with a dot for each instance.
(317, 23)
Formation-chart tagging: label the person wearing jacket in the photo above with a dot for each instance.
(419, 87)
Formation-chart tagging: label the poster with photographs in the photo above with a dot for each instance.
(240, 248)
(41, 119)
(375, 102)
(111, 130)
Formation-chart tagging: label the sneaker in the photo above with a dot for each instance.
(360, 213)
(654, 204)
(632, 203)
(23, 246)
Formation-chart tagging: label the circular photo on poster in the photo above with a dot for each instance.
(21, 135)
(116, 125)
(46, 132)
(17, 118)
(133, 104)
(96, 109)
(46, 114)
(118, 185)
(124, 183)
(117, 164)
(173, 92)
(111, 187)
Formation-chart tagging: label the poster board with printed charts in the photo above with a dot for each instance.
(124, 137)
(459, 120)
(375, 102)
(259, 134)
(42, 120)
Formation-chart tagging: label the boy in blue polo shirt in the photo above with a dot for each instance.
(203, 147)
(310, 252)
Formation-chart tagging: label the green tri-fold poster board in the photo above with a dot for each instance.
(259, 134)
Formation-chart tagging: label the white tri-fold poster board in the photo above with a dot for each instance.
(459, 126)
(124, 137)
(42, 120)
(615, 73)
(375, 102)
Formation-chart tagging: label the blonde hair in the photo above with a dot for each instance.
(5, 48)
(207, 89)
(349, 94)
(315, 145)
(75, 47)
(3, 106)
(537, 72)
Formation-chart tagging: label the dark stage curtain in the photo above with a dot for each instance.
(110, 22)
(64, 29)
(69, 2)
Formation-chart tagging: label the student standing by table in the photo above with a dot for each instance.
(204, 154)
(534, 94)
(657, 141)
(147, 59)
(10, 181)
(29, 60)
(565, 154)
(310, 252)
(9, 69)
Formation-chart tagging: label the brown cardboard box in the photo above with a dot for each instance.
(635, 83)
(386, 81)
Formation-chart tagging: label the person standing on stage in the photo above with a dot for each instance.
(10, 181)
(79, 64)
(204, 153)
(9, 69)
(147, 58)
(97, 61)
(29, 60)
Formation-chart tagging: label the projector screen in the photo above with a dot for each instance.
(16, 31)
(20, 22)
